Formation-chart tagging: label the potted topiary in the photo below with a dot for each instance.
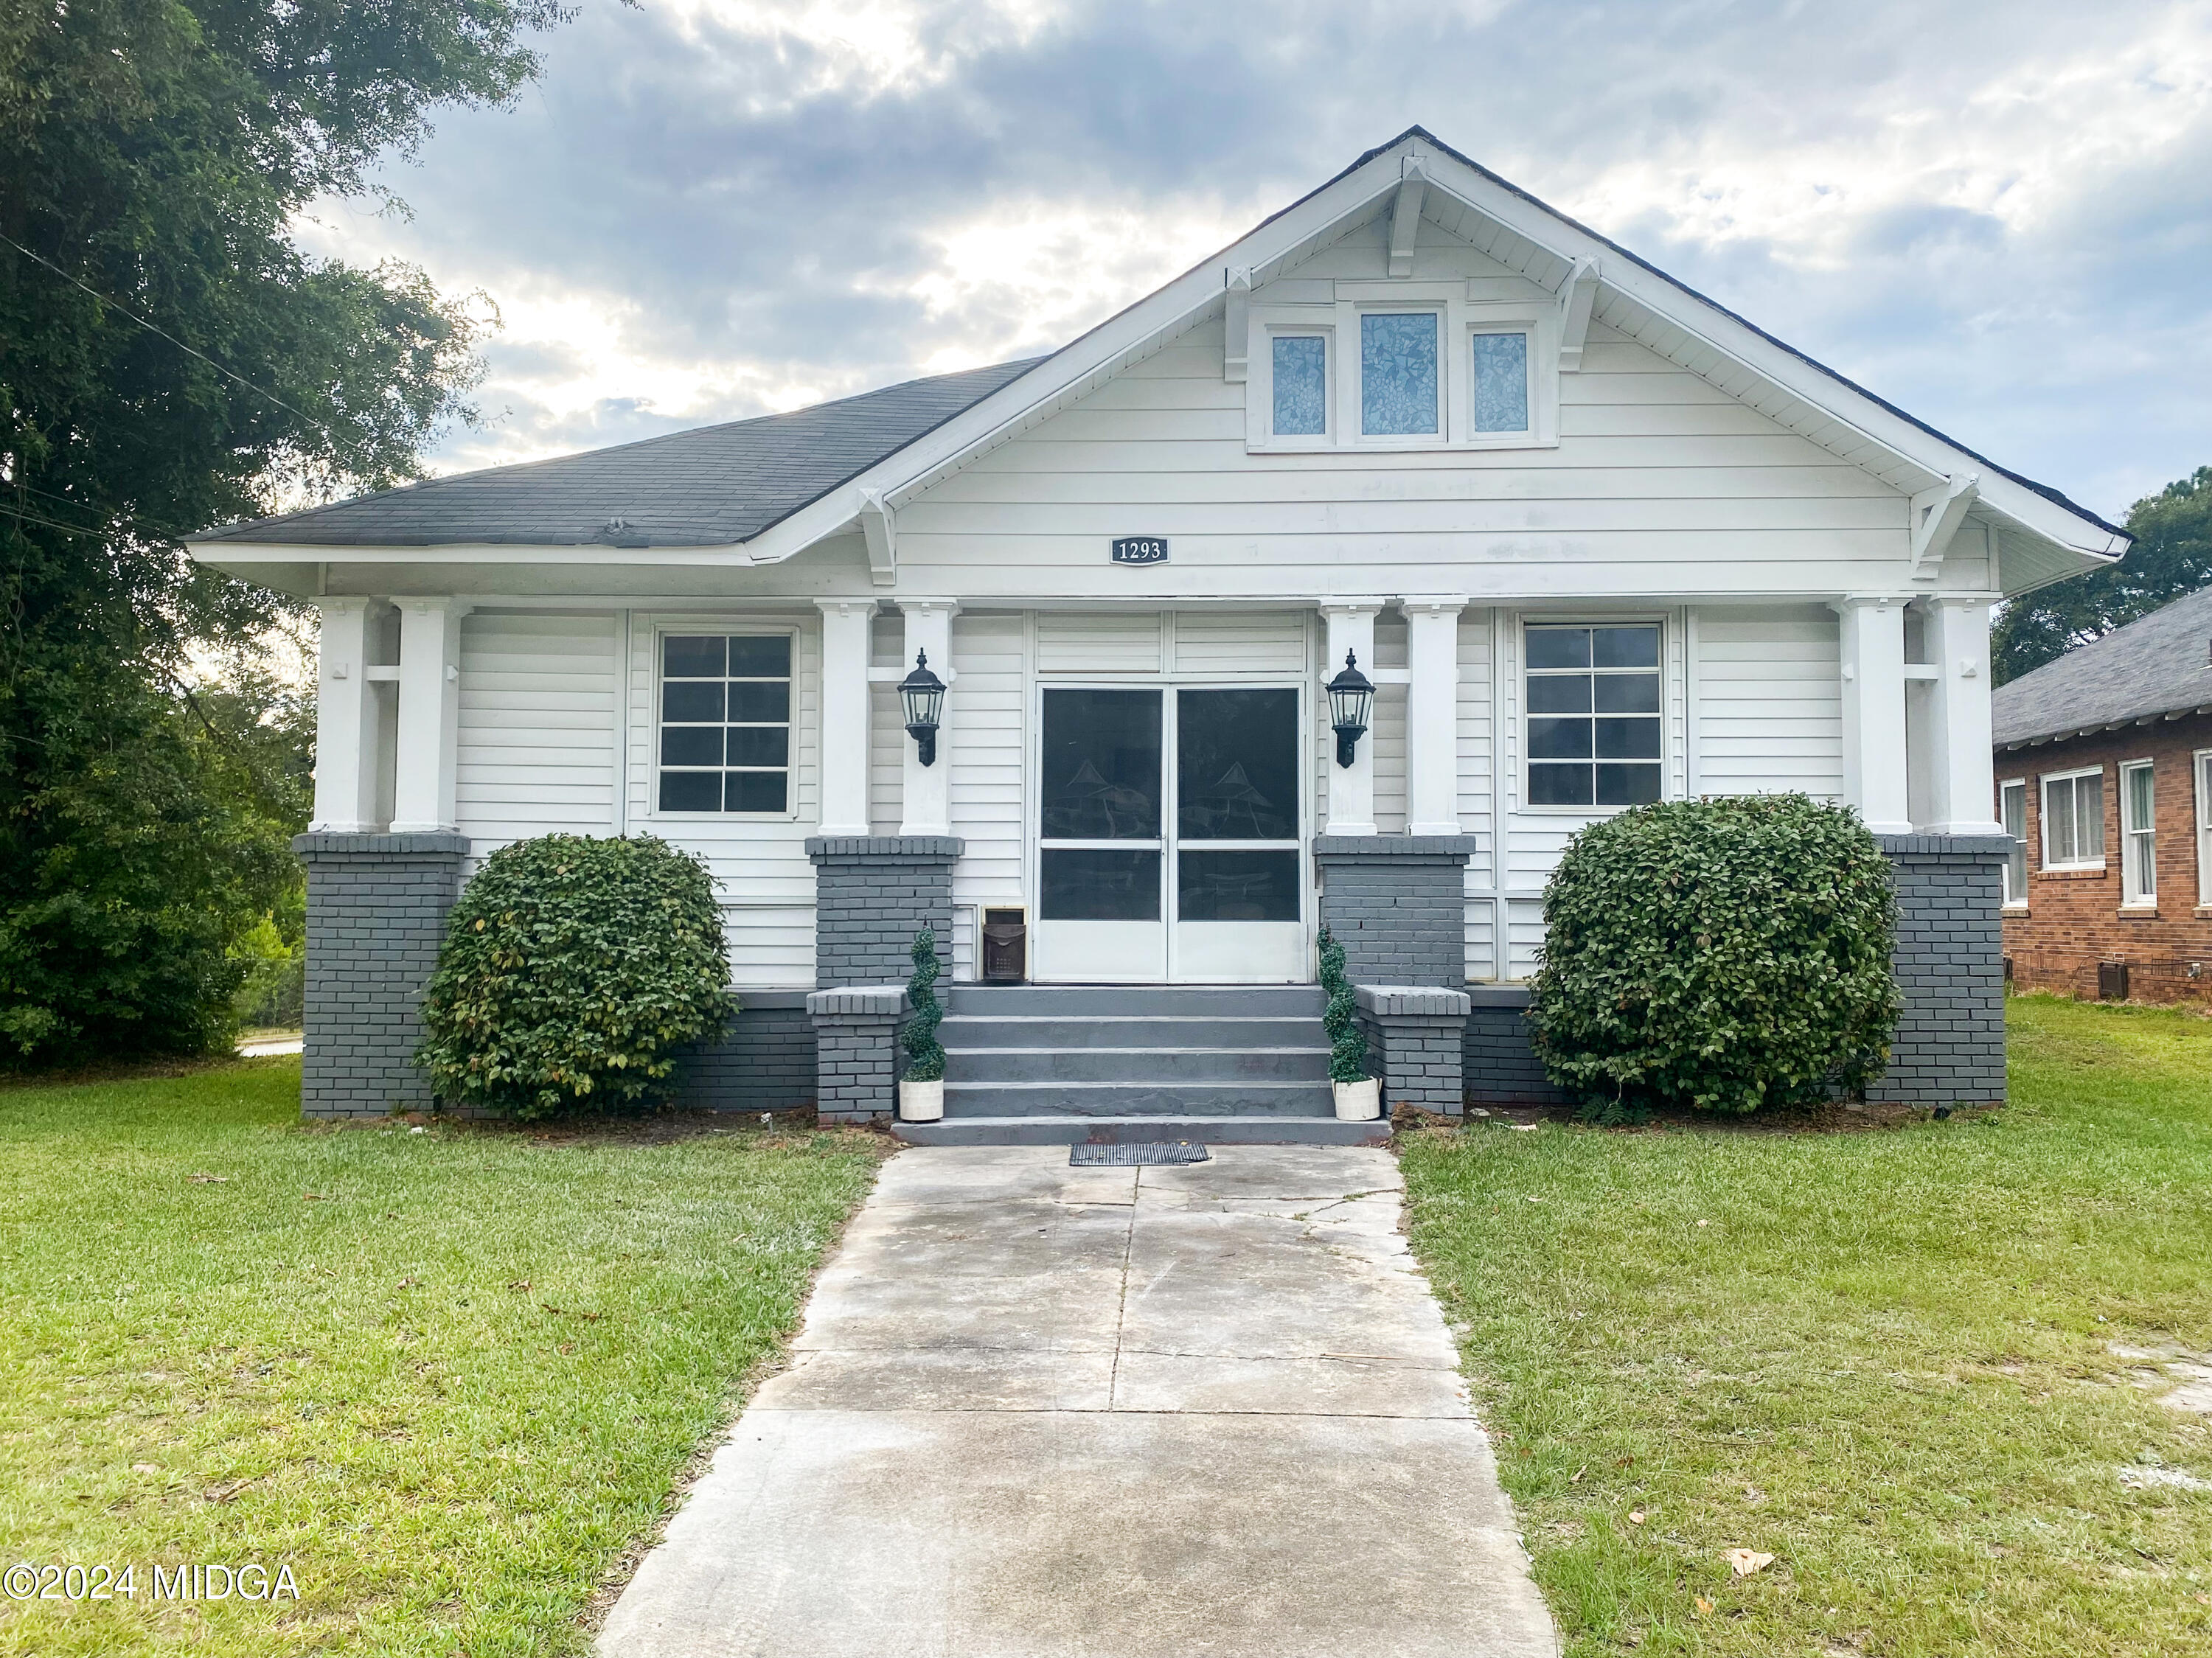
(922, 1091)
(1358, 1095)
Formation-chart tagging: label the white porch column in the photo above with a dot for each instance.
(1350, 788)
(926, 802)
(345, 722)
(844, 748)
(1432, 714)
(429, 714)
(1963, 797)
(1873, 639)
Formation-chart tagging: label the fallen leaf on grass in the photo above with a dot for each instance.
(1635, 1516)
(224, 1493)
(1744, 1562)
(314, 1197)
(145, 1467)
(207, 1179)
(1705, 1607)
(1575, 1478)
(408, 1283)
(519, 1284)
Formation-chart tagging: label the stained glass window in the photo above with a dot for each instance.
(1300, 371)
(1398, 373)
(1501, 382)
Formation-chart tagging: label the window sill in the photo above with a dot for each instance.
(2138, 912)
(2015, 909)
(2072, 872)
(1398, 445)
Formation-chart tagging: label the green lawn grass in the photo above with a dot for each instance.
(1884, 1357)
(448, 1377)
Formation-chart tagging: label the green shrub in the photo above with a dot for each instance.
(1723, 954)
(925, 1055)
(1348, 1043)
(573, 974)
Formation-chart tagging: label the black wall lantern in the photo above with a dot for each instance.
(923, 693)
(1351, 700)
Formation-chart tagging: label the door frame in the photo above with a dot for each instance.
(1167, 684)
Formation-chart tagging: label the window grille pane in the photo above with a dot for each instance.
(692, 746)
(1627, 786)
(760, 745)
(759, 702)
(682, 701)
(1625, 647)
(1098, 884)
(1558, 739)
(691, 791)
(1560, 786)
(1627, 740)
(1301, 382)
(1628, 693)
(2089, 817)
(2058, 821)
(683, 657)
(1564, 693)
(1398, 374)
(1558, 647)
(2012, 806)
(1501, 382)
(763, 656)
(2140, 812)
(754, 791)
(1237, 886)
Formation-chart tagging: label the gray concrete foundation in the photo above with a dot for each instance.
(376, 914)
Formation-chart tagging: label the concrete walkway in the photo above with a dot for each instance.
(1039, 1411)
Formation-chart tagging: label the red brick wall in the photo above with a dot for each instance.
(2073, 918)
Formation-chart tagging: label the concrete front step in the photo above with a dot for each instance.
(1148, 1098)
(1159, 1001)
(1056, 1130)
(1137, 1064)
(962, 1032)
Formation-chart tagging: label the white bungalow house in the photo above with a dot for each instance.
(1592, 538)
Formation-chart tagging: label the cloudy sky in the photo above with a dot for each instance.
(1998, 216)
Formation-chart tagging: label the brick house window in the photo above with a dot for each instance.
(2012, 812)
(2204, 827)
(724, 723)
(2138, 833)
(2074, 820)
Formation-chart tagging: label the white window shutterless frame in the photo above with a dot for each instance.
(1170, 825)
(2138, 833)
(2074, 819)
(2203, 770)
(2012, 812)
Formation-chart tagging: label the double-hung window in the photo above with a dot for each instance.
(2205, 828)
(2138, 833)
(2074, 820)
(724, 723)
(2012, 812)
(1593, 712)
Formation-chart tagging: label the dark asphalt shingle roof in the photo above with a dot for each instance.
(2160, 665)
(705, 487)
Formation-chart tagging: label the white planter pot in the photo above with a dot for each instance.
(921, 1102)
(1359, 1102)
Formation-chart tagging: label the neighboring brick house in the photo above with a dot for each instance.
(2104, 776)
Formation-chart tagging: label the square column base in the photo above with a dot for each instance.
(1419, 1032)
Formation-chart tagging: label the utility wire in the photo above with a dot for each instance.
(126, 310)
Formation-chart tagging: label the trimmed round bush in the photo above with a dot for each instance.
(572, 973)
(1724, 954)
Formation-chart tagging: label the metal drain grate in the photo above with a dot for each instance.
(1145, 1153)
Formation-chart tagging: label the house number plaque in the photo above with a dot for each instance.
(1139, 549)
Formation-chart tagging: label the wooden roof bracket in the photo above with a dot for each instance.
(1406, 215)
(1235, 323)
(880, 525)
(1577, 298)
(1937, 513)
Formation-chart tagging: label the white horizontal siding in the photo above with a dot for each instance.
(1099, 642)
(987, 741)
(536, 752)
(1240, 642)
(1770, 707)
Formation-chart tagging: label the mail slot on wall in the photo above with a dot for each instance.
(1005, 946)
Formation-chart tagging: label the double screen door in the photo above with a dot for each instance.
(1168, 835)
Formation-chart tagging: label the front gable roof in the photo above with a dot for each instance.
(778, 503)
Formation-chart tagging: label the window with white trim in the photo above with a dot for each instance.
(1300, 383)
(2138, 833)
(1593, 703)
(2205, 828)
(1400, 374)
(725, 724)
(2074, 820)
(2012, 812)
(1499, 360)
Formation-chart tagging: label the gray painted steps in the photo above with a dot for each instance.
(1052, 1064)
(1054, 1129)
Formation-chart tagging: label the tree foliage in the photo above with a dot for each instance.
(2172, 556)
(168, 362)
(1722, 954)
(573, 973)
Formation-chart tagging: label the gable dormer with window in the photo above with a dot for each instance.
(1397, 365)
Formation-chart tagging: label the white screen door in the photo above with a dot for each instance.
(1168, 836)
